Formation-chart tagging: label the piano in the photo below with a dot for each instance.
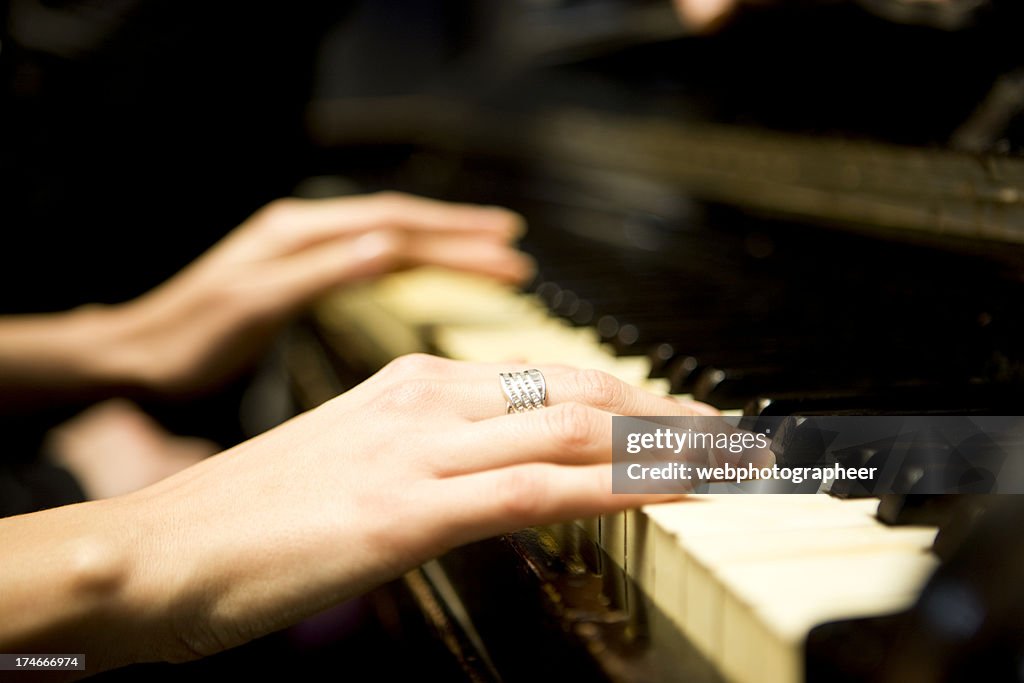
(817, 211)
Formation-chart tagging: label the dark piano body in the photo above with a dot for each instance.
(817, 210)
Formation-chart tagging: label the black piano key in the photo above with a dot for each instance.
(659, 357)
(863, 456)
(921, 399)
(917, 509)
(681, 372)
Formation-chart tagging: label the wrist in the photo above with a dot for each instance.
(78, 583)
(115, 354)
(139, 580)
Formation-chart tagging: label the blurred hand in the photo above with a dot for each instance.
(114, 448)
(216, 315)
(703, 15)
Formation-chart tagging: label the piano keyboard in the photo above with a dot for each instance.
(744, 577)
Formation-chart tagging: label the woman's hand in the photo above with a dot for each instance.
(416, 460)
(216, 315)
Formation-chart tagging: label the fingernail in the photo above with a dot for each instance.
(373, 245)
(529, 266)
(508, 220)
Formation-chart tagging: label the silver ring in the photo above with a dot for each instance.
(523, 391)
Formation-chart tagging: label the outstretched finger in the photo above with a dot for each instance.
(308, 273)
(467, 254)
(297, 224)
(568, 434)
(294, 280)
(484, 504)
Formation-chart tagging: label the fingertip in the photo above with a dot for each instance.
(760, 457)
(379, 247)
(503, 220)
(518, 227)
(515, 268)
(659, 498)
(696, 407)
(526, 268)
(705, 409)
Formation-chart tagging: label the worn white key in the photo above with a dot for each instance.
(770, 607)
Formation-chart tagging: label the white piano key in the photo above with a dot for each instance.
(590, 526)
(707, 521)
(433, 296)
(709, 562)
(613, 537)
(668, 576)
(640, 562)
(770, 607)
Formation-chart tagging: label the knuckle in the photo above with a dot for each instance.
(276, 221)
(391, 244)
(570, 425)
(599, 389)
(410, 394)
(391, 199)
(523, 494)
(415, 365)
(278, 212)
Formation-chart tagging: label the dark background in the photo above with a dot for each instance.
(135, 133)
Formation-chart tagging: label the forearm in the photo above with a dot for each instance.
(67, 577)
(77, 354)
(202, 561)
(120, 581)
